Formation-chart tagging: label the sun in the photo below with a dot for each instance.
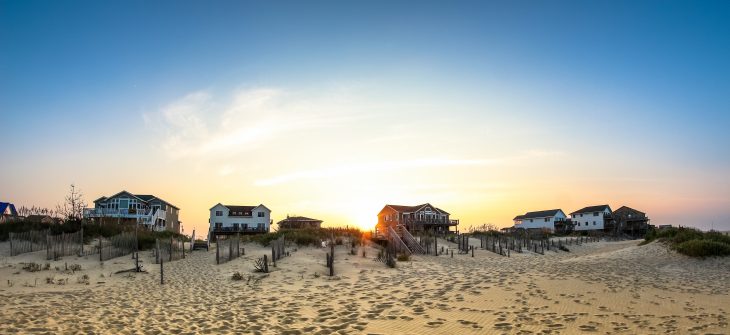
(365, 221)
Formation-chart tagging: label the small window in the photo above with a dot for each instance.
(547, 219)
(530, 220)
(594, 223)
(581, 215)
(595, 214)
(218, 213)
(261, 214)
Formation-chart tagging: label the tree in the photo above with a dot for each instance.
(73, 205)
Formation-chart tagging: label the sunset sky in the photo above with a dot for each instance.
(333, 109)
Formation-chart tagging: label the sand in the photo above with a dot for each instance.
(601, 288)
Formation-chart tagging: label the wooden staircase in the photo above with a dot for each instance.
(397, 243)
(410, 241)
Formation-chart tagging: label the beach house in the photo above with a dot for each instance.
(591, 217)
(545, 219)
(627, 221)
(299, 222)
(238, 219)
(419, 218)
(145, 209)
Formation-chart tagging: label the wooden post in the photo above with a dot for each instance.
(217, 250)
(136, 262)
(162, 273)
(472, 251)
(452, 253)
(266, 265)
(101, 258)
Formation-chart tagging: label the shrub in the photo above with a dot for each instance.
(237, 276)
(703, 248)
(404, 257)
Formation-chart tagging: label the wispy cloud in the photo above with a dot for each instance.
(388, 166)
(198, 124)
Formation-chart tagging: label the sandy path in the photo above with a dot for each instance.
(606, 287)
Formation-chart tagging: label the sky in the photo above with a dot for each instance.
(487, 109)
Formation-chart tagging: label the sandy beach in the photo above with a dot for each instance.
(604, 287)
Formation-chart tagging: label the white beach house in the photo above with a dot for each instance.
(540, 219)
(232, 219)
(591, 217)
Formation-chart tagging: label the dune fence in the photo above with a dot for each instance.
(117, 246)
(69, 244)
(169, 249)
(227, 249)
(29, 241)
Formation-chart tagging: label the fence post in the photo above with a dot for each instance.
(101, 256)
(157, 249)
(217, 252)
(266, 265)
(162, 273)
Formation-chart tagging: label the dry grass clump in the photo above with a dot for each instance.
(237, 276)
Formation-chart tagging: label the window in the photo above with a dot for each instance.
(595, 214)
(262, 214)
(578, 224)
(547, 219)
(218, 213)
(594, 223)
(218, 225)
(530, 220)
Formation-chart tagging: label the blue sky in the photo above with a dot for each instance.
(643, 82)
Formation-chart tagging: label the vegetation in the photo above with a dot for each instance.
(311, 236)
(404, 257)
(692, 242)
(146, 238)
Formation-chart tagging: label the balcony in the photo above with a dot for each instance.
(147, 216)
(409, 221)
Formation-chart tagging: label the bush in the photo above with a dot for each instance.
(237, 276)
(691, 242)
(703, 248)
(404, 257)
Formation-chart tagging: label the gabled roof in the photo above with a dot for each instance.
(6, 205)
(541, 214)
(142, 197)
(629, 208)
(590, 209)
(411, 209)
(519, 217)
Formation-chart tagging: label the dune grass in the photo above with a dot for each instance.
(692, 242)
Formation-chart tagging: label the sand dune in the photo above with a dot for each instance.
(605, 287)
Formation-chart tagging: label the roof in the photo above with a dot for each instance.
(629, 208)
(541, 214)
(590, 209)
(5, 205)
(143, 197)
(410, 209)
(36, 217)
(519, 217)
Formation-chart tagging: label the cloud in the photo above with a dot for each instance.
(388, 166)
(199, 125)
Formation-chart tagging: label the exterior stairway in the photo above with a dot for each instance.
(410, 241)
(396, 242)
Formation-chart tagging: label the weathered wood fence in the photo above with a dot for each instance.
(227, 249)
(29, 241)
(64, 245)
(169, 249)
(117, 245)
